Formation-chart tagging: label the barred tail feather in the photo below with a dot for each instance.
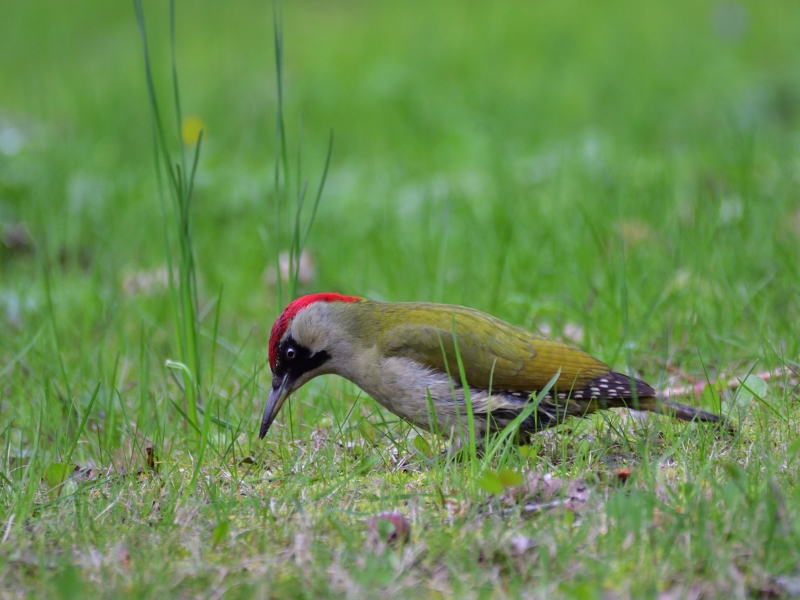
(684, 412)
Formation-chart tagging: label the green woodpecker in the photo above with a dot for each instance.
(399, 353)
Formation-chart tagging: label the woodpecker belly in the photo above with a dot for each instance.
(430, 400)
(400, 385)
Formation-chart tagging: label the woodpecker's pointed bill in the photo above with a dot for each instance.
(277, 396)
(401, 354)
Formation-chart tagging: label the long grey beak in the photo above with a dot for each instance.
(276, 398)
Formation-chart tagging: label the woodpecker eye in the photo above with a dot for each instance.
(290, 353)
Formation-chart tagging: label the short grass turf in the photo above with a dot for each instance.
(621, 175)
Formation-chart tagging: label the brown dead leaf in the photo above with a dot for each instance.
(542, 492)
(389, 527)
(623, 474)
(696, 387)
(455, 507)
(123, 556)
(150, 457)
(83, 474)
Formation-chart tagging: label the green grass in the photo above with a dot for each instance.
(627, 172)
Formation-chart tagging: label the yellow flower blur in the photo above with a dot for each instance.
(191, 128)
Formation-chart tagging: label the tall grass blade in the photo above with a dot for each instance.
(184, 295)
(473, 448)
(281, 181)
(82, 425)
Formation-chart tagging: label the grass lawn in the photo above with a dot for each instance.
(623, 176)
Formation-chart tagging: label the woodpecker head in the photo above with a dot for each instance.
(304, 343)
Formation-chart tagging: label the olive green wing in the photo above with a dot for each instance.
(491, 350)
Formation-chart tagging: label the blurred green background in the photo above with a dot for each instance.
(630, 168)
(623, 175)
